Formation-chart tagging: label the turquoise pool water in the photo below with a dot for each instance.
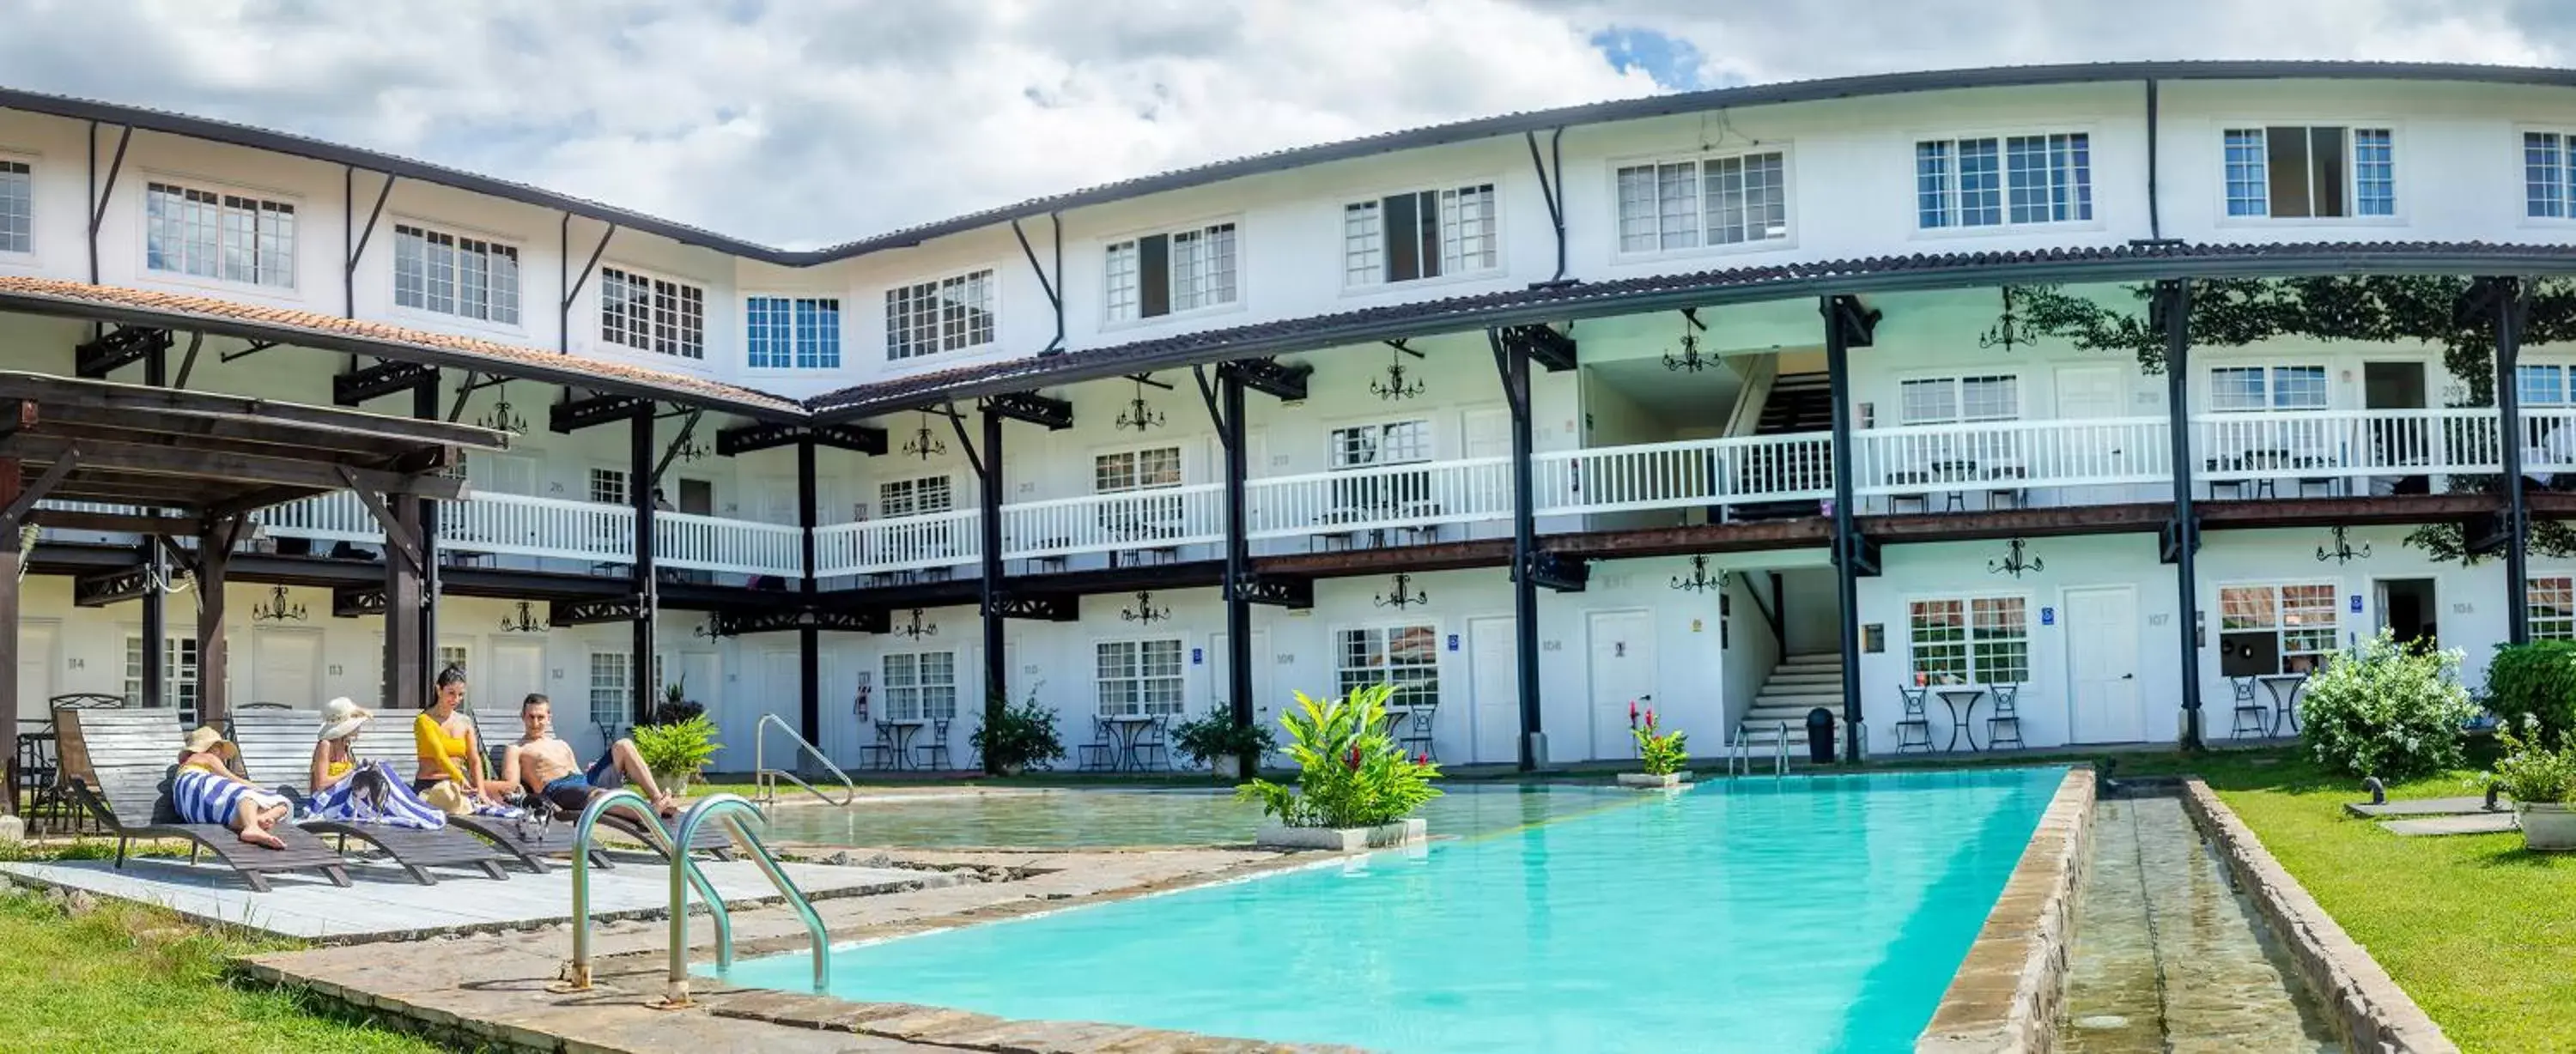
(1071, 819)
(1804, 914)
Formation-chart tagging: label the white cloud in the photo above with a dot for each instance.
(801, 122)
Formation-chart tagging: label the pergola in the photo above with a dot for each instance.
(175, 464)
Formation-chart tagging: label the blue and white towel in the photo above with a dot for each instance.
(200, 796)
(371, 793)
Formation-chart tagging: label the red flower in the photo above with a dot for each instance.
(1650, 719)
(1422, 759)
(1354, 759)
(1632, 713)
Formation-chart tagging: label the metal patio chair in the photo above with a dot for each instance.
(1914, 731)
(937, 748)
(2006, 717)
(1099, 755)
(2251, 715)
(880, 754)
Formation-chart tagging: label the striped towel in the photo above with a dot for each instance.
(371, 793)
(200, 796)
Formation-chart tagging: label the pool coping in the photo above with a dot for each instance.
(2006, 993)
(2364, 1002)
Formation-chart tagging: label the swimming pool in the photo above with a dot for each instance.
(1801, 914)
(1075, 819)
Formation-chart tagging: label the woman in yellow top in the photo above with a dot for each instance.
(332, 759)
(448, 748)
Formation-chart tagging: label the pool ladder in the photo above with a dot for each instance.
(765, 779)
(744, 820)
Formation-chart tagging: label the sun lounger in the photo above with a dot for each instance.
(501, 727)
(119, 764)
(277, 750)
(529, 841)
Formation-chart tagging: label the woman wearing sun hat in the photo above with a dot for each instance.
(207, 790)
(347, 789)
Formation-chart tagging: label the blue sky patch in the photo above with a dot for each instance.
(1673, 63)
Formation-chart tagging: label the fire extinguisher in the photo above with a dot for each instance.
(860, 705)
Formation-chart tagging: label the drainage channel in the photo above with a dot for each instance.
(2167, 956)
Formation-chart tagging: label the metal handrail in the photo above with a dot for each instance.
(577, 973)
(762, 776)
(740, 813)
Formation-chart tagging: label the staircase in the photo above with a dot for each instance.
(1797, 402)
(1799, 684)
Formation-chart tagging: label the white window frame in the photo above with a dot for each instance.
(2551, 599)
(592, 480)
(1179, 679)
(1352, 284)
(2397, 171)
(34, 171)
(291, 204)
(1333, 442)
(2271, 372)
(947, 483)
(1127, 275)
(917, 699)
(604, 712)
(671, 345)
(938, 334)
(1135, 454)
(518, 301)
(1977, 662)
(2318, 649)
(2562, 197)
(1416, 684)
(796, 332)
(1786, 238)
(2562, 376)
(178, 671)
(1957, 383)
(2083, 198)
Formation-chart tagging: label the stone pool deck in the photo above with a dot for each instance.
(2004, 997)
(491, 989)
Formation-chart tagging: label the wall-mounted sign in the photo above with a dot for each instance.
(2048, 616)
(1198, 656)
(2356, 603)
(1453, 642)
(1873, 638)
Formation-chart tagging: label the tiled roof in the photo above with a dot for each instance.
(309, 329)
(1922, 271)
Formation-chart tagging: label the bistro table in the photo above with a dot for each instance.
(2285, 689)
(1125, 731)
(903, 730)
(1962, 703)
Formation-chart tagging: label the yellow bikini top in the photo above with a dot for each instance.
(432, 743)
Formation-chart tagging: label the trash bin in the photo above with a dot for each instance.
(1820, 736)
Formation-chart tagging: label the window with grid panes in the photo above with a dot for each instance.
(210, 234)
(1136, 470)
(2551, 601)
(611, 689)
(1139, 678)
(913, 497)
(1949, 400)
(1407, 657)
(1161, 274)
(2293, 626)
(920, 686)
(2248, 388)
(1709, 201)
(608, 486)
(949, 314)
(2541, 384)
(17, 207)
(452, 655)
(1994, 181)
(451, 274)
(802, 332)
(1969, 640)
(178, 673)
(650, 313)
(2548, 176)
(1424, 234)
(1392, 443)
(2297, 171)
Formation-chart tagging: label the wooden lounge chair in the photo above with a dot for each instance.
(277, 749)
(500, 727)
(119, 765)
(530, 842)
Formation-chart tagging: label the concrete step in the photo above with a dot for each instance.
(1786, 679)
(1777, 699)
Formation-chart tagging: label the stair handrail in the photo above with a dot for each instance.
(763, 778)
(576, 977)
(1759, 373)
(742, 816)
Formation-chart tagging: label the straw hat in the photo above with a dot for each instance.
(204, 739)
(340, 718)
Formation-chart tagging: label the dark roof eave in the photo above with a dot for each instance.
(1571, 304)
(296, 336)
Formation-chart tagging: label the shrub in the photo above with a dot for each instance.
(678, 748)
(1212, 735)
(1662, 753)
(675, 706)
(1019, 736)
(2386, 709)
(2537, 680)
(2530, 771)
(1350, 772)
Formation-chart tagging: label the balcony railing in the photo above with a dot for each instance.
(2340, 449)
(1699, 472)
(1379, 498)
(905, 543)
(1161, 518)
(2012, 456)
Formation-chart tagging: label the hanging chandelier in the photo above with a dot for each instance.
(1401, 599)
(2009, 331)
(688, 449)
(1145, 611)
(1395, 386)
(2014, 562)
(923, 444)
(524, 620)
(1139, 414)
(501, 419)
(1699, 581)
(917, 629)
(276, 608)
(1690, 360)
(2343, 551)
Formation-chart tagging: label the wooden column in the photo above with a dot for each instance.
(809, 640)
(156, 624)
(2508, 305)
(1238, 557)
(406, 663)
(10, 569)
(214, 656)
(1847, 540)
(424, 406)
(2172, 311)
(647, 594)
(996, 665)
(1511, 358)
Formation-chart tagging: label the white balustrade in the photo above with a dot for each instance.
(901, 543)
(1159, 518)
(2338, 446)
(1694, 472)
(2548, 442)
(1421, 494)
(2012, 455)
(710, 543)
(519, 525)
(335, 517)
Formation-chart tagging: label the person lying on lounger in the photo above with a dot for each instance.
(208, 790)
(545, 765)
(343, 787)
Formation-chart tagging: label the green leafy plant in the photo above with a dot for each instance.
(1350, 771)
(2530, 771)
(2386, 709)
(678, 749)
(1018, 736)
(675, 706)
(2538, 681)
(1662, 753)
(1213, 735)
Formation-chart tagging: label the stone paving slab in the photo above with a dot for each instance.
(2004, 997)
(2424, 807)
(2434, 826)
(381, 903)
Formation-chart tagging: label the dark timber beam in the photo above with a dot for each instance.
(1512, 361)
(1042, 607)
(570, 285)
(2170, 312)
(1546, 346)
(995, 606)
(573, 415)
(1225, 408)
(1847, 325)
(215, 539)
(751, 438)
(803, 621)
(383, 378)
(1054, 415)
(119, 347)
(639, 490)
(354, 239)
(406, 655)
(603, 612)
(2504, 302)
(1047, 283)
(355, 601)
(1285, 382)
(809, 637)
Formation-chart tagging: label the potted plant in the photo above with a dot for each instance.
(1017, 736)
(1214, 740)
(677, 751)
(1356, 788)
(1659, 752)
(2540, 779)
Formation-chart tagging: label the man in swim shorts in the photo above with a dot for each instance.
(544, 764)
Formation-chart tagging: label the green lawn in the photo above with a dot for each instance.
(123, 977)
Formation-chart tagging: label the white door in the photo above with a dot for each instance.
(1487, 432)
(1623, 672)
(2094, 393)
(1494, 683)
(286, 668)
(36, 642)
(2101, 630)
(518, 670)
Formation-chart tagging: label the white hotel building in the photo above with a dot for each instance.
(1668, 356)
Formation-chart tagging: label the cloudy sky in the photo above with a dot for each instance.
(804, 122)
